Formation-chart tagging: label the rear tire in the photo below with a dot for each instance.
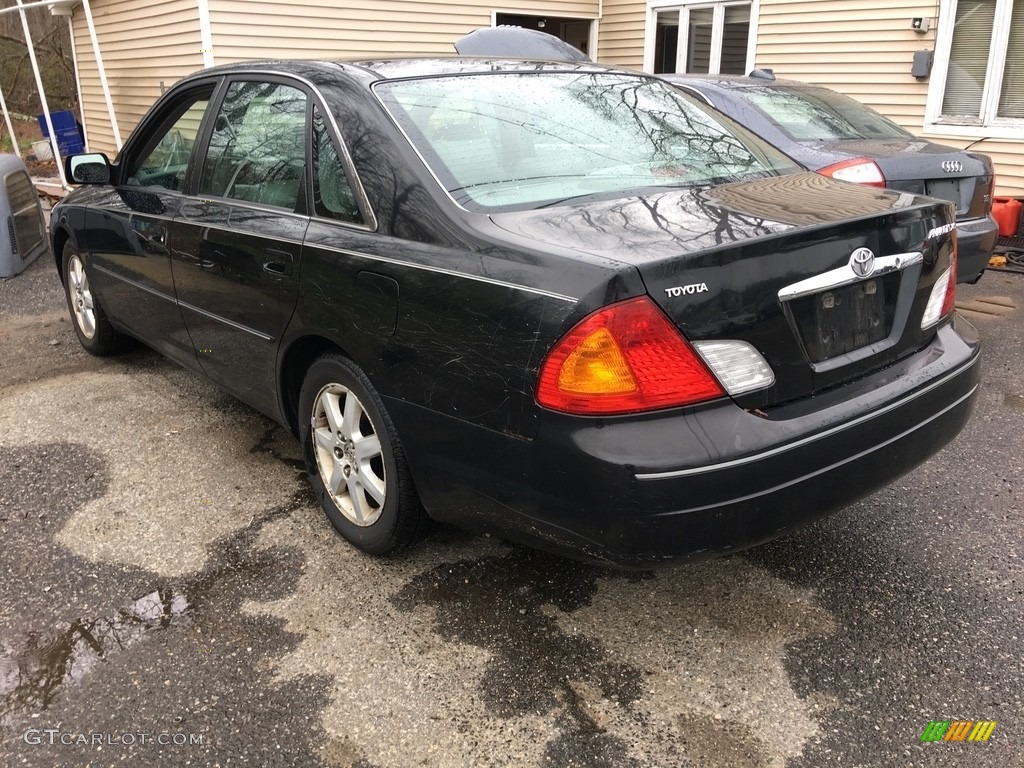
(93, 328)
(355, 461)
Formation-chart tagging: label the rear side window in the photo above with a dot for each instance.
(818, 114)
(333, 197)
(257, 149)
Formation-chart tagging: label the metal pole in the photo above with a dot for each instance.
(42, 95)
(78, 84)
(103, 74)
(10, 126)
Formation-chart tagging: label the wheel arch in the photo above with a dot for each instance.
(60, 237)
(299, 355)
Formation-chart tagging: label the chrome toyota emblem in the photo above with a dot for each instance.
(862, 262)
(952, 166)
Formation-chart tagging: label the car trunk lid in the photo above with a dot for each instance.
(768, 262)
(924, 168)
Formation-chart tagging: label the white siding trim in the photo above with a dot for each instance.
(755, 12)
(205, 32)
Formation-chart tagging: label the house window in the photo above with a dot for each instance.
(701, 38)
(979, 74)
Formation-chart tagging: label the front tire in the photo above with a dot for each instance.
(356, 464)
(92, 327)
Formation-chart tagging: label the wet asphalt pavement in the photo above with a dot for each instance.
(170, 596)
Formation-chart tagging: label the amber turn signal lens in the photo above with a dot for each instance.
(596, 366)
(624, 358)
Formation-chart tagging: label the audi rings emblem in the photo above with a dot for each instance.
(862, 262)
(952, 166)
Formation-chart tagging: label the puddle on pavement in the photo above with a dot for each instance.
(278, 443)
(536, 667)
(31, 678)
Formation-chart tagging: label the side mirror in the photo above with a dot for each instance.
(88, 169)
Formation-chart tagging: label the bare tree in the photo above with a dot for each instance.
(53, 51)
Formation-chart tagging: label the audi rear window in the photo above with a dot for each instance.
(820, 114)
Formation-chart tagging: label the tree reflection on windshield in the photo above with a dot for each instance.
(524, 140)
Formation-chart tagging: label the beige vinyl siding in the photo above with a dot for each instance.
(621, 33)
(864, 48)
(142, 46)
(255, 29)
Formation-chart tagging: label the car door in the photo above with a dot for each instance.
(128, 228)
(237, 240)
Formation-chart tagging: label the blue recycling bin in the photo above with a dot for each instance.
(69, 132)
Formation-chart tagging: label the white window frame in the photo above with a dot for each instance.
(594, 21)
(993, 127)
(684, 7)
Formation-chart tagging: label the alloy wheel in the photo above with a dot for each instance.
(348, 455)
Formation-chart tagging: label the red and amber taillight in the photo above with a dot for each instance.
(624, 358)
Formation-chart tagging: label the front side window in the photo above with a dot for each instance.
(165, 157)
(257, 150)
(702, 38)
(521, 140)
(979, 77)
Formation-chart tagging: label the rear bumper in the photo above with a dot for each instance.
(976, 240)
(696, 482)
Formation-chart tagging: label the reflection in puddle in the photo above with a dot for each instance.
(30, 679)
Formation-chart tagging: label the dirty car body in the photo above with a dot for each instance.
(559, 302)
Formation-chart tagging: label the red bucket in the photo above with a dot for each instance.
(1006, 212)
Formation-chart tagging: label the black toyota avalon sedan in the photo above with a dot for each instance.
(561, 302)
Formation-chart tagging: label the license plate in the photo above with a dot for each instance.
(838, 321)
(944, 189)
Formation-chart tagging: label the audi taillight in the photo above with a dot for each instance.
(624, 358)
(861, 170)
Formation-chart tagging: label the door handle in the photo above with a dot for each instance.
(278, 262)
(277, 268)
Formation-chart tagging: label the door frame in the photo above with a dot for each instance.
(684, 7)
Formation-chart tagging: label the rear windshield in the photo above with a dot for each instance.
(819, 114)
(523, 140)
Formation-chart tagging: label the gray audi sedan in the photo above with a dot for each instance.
(838, 136)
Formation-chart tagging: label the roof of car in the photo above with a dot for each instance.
(388, 69)
(732, 81)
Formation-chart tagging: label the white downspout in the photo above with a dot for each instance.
(205, 32)
(42, 95)
(103, 74)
